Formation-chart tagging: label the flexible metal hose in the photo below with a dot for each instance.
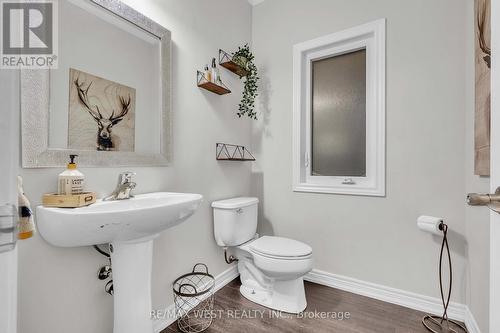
(98, 249)
(437, 320)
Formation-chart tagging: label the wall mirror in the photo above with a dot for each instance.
(109, 99)
(339, 112)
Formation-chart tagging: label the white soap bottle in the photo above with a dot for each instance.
(71, 181)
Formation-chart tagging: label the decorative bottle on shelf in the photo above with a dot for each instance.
(207, 73)
(215, 72)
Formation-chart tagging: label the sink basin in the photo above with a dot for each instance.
(137, 219)
(129, 226)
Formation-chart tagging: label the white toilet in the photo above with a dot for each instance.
(271, 268)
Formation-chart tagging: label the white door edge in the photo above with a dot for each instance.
(495, 169)
(9, 164)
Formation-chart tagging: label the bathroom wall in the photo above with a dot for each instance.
(477, 219)
(376, 239)
(59, 290)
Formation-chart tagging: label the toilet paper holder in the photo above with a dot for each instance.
(492, 201)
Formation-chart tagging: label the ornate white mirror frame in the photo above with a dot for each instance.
(35, 108)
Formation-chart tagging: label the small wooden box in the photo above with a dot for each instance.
(68, 201)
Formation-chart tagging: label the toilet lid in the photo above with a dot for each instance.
(235, 203)
(280, 247)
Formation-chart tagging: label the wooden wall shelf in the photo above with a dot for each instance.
(226, 61)
(228, 152)
(202, 82)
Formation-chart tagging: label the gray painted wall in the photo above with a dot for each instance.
(374, 239)
(59, 291)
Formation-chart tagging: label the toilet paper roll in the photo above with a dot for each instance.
(430, 224)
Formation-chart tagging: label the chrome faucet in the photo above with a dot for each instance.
(123, 188)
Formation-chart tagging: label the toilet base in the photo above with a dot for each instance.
(285, 296)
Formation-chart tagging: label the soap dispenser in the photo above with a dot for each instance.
(71, 181)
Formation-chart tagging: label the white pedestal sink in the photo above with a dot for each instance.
(129, 226)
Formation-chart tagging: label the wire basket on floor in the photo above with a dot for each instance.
(194, 300)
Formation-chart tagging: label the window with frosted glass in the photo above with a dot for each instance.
(338, 117)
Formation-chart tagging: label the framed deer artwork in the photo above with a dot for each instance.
(482, 88)
(108, 101)
(101, 114)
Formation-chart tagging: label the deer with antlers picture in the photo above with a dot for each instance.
(102, 114)
(482, 87)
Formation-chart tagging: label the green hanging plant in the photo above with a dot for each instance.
(244, 58)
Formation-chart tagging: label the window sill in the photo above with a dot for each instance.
(340, 189)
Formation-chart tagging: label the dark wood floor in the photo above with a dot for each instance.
(366, 315)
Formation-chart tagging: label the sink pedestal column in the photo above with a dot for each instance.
(132, 267)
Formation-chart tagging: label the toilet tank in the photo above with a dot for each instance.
(235, 220)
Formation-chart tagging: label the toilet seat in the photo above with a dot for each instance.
(272, 271)
(277, 258)
(280, 248)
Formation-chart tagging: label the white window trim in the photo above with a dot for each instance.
(370, 36)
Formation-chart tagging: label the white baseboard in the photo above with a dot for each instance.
(404, 298)
(407, 299)
(387, 294)
(220, 281)
(470, 322)
(160, 324)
